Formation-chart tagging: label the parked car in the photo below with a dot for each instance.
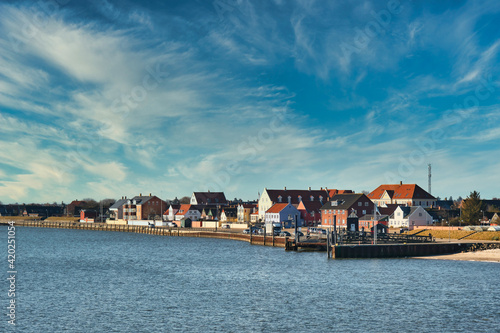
(246, 231)
(300, 233)
(171, 224)
(285, 234)
(226, 226)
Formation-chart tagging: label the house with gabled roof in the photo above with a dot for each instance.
(409, 217)
(169, 214)
(369, 220)
(283, 214)
(270, 197)
(402, 194)
(310, 212)
(116, 210)
(244, 210)
(188, 211)
(141, 208)
(229, 214)
(341, 206)
(209, 213)
(208, 198)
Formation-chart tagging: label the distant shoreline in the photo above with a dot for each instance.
(492, 255)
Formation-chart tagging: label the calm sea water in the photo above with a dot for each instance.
(94, 281)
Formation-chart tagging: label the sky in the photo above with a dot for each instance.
(104, 99)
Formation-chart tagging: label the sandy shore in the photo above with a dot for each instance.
(486, 255)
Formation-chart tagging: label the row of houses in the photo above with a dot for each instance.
(395, 205)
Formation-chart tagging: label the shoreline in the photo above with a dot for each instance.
(492, 255)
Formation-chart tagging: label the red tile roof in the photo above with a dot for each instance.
(184, 209)
(276, 208)
(401, 191)
(333, 192)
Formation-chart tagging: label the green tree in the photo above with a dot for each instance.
(185, 200)
(471, 208)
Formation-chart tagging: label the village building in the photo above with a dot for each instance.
(310, 212)
(208, 198)
(270, 197)
(402, 194)
(116, 210)
(341, 206)
(244, 210)
(410, 217)
(188, 211)
(143, 208)
(229, 214)
(284, 215)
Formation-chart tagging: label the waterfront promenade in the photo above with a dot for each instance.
(334, 251)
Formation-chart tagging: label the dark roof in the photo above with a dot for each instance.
(407, 210)
(294, 195)
(140, 200)
(312, 205)
(118, 204)
(343, 201)
(210, 198)
(388, 210)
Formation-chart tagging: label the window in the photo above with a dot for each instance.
(364, 212)
(360, 203)
(366, 204)
(279, 198)
(312, 198)
(419, 214)
(300, 198)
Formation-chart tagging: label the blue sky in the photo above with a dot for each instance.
(110, 98)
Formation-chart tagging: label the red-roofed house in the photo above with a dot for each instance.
(402, 194)
(187, 211)
(284, 214)
(310, 212)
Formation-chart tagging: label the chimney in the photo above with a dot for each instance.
(140, 194)
(285, 188)
(321, 188)
(150, 195)
(309, 188)
(400, 182)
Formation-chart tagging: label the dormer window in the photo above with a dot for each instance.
(300, 198)
(289, 199)
(280, 198)
(312, 198)
(208, 200)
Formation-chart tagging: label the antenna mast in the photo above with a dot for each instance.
(430, 175)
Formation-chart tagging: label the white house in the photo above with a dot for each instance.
(188, 211)
(284, 214)
(408, 217)
(169, 215)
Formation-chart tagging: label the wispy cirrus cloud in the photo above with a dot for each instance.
(109, 97)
